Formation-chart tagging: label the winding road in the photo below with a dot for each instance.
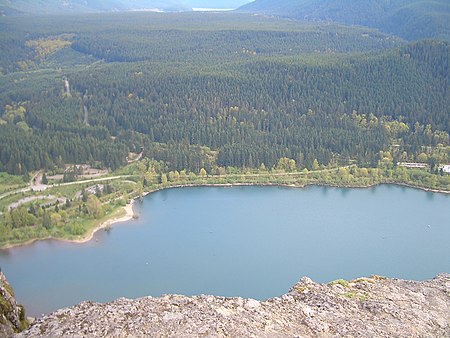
(36, 185)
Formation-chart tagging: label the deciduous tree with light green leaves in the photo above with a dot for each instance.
(286, 164)
(94, 207)
(315, 165)
(163, 179)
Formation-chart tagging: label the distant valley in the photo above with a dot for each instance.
(32, 7)
(411, 20)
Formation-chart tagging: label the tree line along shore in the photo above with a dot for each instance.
(90, 206)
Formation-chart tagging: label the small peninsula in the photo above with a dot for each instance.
(73, 211)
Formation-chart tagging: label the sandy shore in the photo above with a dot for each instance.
(129, 213)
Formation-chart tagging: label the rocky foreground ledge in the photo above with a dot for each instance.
(366, 307)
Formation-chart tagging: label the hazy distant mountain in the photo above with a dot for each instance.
(225, 4)
(17, 7)
(410, 19)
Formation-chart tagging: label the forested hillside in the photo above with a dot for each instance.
(408, 19)
(208, 91)
(192, 38)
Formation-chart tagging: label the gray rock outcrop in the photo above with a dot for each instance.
(366, 307)
(12, 315)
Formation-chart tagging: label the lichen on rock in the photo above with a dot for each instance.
(365, 307)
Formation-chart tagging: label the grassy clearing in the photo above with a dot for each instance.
(10, 182)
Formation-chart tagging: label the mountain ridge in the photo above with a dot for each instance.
(29, 7)
(412, 20)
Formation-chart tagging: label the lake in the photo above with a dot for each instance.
(242, 241)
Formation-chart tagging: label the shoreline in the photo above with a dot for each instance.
(437, 191)
(129, 213)
(230, 185)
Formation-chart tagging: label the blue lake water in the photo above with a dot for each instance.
(241, 241)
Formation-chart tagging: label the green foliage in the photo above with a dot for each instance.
(355, 295)
(10, 182)
(218, 91)
(14, 113)
(19, 218)
(163, 179)
(376, 277)
(228, 90)
(301, 289)
(77, 218)
(44, 47)
(363, 280)
(286, 164)
(193, 38)
(23, 319)
(75, 229)
(5, 307)
(46, 220)
(342, 282)
(121, 202)
(430, 18)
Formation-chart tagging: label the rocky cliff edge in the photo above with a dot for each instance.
(365, 307)
(12, 315)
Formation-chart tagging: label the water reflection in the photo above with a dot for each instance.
(244, 241)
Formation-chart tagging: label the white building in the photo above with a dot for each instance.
(95, 188)
(412, 165)
(446, 169)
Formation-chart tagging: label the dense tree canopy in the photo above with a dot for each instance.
(233, 91)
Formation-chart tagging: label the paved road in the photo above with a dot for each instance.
(24, 200)
(42, 187)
